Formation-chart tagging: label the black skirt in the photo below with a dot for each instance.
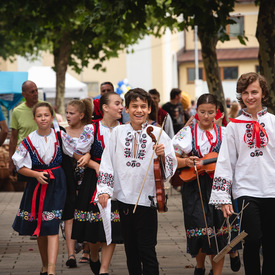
(88, 225)
(194, 220)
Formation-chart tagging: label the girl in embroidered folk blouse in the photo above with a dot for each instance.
(196, 141)
(39, 158)
(246, 166)
(88, 224)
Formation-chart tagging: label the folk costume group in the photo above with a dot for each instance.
(72, 175)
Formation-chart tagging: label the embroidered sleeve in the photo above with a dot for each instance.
(182, 141)
(85, 140)
(170, 157)
(21, 158)
(68, 144)
(105, 182)
(225, 167)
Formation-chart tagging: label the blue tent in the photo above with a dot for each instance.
(10, 88)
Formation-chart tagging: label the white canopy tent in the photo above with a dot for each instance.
(45, 79)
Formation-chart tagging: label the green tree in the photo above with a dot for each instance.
(78, 31)
(266, 37)
(211, 17)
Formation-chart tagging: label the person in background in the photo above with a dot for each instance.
(175, 110)
(4, 128)
(106, 87)
(245, 168)
(22, 122)
(234, 110)
(160, 114)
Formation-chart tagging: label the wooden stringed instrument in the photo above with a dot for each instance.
(159, 178)
(208, 166)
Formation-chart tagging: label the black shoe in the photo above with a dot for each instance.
(44, 273)
(95, 267)
(235, 263)
(199, 271)
(104, 274)
(210, 272)
(71, 262)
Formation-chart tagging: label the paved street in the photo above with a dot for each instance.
(19, 255)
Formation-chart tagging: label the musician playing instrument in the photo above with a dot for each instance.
(246, 166)
(124, 164)
(196, 141)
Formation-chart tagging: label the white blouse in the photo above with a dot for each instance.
(21, 157)
(182, 141)
(121, 174)
(86, 138)
(243, 168)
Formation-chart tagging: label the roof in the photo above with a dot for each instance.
(222, 54)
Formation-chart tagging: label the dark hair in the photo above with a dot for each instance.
(107, 83)
(42, 104)
(153, 114)
(154, 92)
(174, 92)
(105, 100)
(134, 94)
(220, 106)
(245, 80)
(207, 99)
(83, 106)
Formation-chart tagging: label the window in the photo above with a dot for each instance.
(191, 74)
(230, 73)
(234, 30)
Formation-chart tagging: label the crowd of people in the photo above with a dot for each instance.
(102, 163)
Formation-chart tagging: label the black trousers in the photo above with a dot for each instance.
(139, 232)
(258, 221)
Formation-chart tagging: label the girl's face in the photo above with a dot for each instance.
(114, 107)
(252, 97)
(73, 116)
(138, 111)
(206, 113)
(43, 118)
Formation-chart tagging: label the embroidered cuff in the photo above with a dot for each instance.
(168, 167)
(105, 178)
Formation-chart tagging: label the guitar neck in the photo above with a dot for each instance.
(207, 161)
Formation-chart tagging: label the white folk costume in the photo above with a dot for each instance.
(42, 204)
(242, 166)
(88, 224)
(246, 166)
(197, 142)
(121, 175)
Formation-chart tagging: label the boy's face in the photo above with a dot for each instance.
(138, 111)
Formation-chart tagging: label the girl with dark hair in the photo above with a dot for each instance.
(195, 142)
(245, 167)
(88, 225)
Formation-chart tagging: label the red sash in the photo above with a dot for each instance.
(41, 199)
(256, 130)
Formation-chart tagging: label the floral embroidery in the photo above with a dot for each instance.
(256, 153)
(46, 215)
(87, 133)
(21, 150)
(196, 232)
(105, 178)
(221, 184)
(182, 133)
(259, 114)
(140, 147)
(169, 165)
(89, 216)
(133, 163)
(248, 137)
